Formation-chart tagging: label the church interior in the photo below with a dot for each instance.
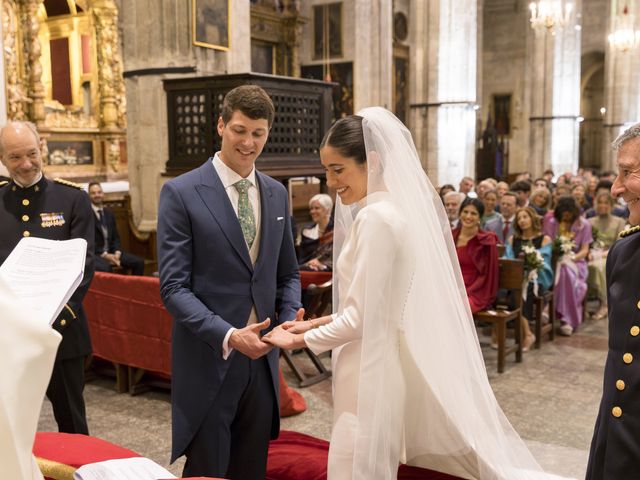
(127, 93)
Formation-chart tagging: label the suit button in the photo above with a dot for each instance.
(26, 233)
(25, 218)
(63, 322)
(620, 384)
(635, 330)
(616, 412)
(25, 202)
(627, 358)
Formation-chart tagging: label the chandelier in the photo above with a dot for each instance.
(624, 36)
(550, 15)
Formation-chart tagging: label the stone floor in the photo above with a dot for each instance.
(551, 398)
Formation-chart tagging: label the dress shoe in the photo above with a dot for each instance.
(565, 330)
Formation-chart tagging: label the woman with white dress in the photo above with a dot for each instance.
(409, 380)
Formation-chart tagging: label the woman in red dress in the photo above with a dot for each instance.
(478, 256)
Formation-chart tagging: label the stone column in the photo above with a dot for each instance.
(444, 87)
(32, 49)
(372, 65)
(622, 87)
(3, 97)
(554, 86)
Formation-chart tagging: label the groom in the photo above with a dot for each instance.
(228, 273)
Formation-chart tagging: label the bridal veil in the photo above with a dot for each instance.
(452, 421)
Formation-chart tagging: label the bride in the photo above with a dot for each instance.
(409, 380)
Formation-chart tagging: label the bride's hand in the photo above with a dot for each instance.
(281, 338)
(292, 323)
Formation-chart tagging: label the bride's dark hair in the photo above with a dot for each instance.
(347, 137)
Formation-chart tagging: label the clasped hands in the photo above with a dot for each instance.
(113, 258)
(249, 342)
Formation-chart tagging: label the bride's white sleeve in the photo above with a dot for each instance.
(370, 260)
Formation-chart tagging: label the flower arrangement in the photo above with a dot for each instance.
(563, 246)
(598, 239)
(533, 262)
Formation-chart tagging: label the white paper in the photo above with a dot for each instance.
(137, 468)
(45, 273)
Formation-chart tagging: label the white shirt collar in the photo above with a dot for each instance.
(227, 175)
(38, 178)
(96, 209)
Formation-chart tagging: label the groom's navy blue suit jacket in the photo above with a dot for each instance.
(208, 285)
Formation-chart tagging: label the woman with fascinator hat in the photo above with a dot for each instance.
(409, 380)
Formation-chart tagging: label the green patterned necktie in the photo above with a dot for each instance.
(245, 212)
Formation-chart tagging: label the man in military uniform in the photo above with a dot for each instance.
(31, 205)
(615, 448)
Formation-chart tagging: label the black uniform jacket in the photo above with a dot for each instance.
(55, 210)
(615, 448)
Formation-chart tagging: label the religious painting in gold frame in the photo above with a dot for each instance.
(210, 22)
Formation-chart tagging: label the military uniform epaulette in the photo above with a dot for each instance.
(3, 183)
(62, 181)
(629, 231)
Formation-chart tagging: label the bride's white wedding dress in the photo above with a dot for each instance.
(372, 258)
(409, 379)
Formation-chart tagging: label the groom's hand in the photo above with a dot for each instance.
(247, 340)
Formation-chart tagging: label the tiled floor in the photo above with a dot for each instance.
(551, 399)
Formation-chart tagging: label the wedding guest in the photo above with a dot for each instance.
(483, 187)
(490, 199)
(315, 242)
(548, 176)
(540, 200)
(572, 234)
(606, 229)
(522, 188)
(446, 188)
(617, 211)
(466, 185)
(478, 256)
(540, 183)
(503, 225)
(527, 233)
(501, 189)
(578, 191)
(452, 202)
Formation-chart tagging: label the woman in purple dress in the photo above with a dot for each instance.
(571, 235)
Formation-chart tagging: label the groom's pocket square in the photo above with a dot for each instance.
(279, 219)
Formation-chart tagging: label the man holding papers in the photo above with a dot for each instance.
(31, 205)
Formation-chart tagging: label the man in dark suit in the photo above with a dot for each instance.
(503, 225)
(228, 273)
(32, 205)
(615, 448)
(108, 253)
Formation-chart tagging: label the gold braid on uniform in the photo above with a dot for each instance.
(629, 231)
(3, 183)
(62, 181)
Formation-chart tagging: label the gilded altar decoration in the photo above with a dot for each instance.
(32, 48)
(110, 80)
(17, 98)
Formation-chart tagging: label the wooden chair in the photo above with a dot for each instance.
(549, 328)
(317, 303)
(510, 279)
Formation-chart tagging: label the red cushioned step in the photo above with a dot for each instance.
(296, 456)
(76, 450)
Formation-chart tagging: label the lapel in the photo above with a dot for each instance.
(266, 214)
(216, 200)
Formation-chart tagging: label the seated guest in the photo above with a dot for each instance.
(618, 210)
(315, 242)
(572, 235)
(579, 192)
(489, 199)
(452, 202)
(540, 183)
(107, 244)
(478, 256)
(527, 231)
(606, 229)
(540, 200)
(522, 189)
(503, 225)
(446, 188)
